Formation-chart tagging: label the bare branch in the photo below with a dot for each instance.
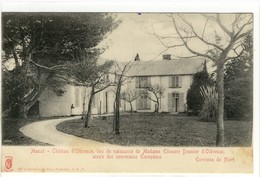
(237, 56)
(45, 67)
(187, 46)
(196, 34)
(166, 46)
(204, 28)
(103, 88)
(244, 34)
(219, 22)
(151, 99)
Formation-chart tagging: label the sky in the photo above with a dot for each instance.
(132, 36)
(135, 34)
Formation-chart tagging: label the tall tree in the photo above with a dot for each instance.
(120, 79)
(98, 84)
(239, 83)
(41, 45)
(90, 75)
(219, 37)
(194, 98)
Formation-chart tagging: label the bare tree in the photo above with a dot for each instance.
(219, 40)
(91, 76)
(129, 96)
(120, 79)
(98, 84)
(157, 91)
(96, 87)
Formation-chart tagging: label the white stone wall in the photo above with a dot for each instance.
(52, 105)
(164, 80)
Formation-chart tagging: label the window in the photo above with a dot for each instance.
(175, 82)
(175, 100)
(143, 82)
(175, 95)
(77, 95)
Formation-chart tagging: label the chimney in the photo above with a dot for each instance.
(167, 57)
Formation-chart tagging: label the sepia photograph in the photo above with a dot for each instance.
(127, 78)
(135, 87)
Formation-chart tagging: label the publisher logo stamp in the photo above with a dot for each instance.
(8, 164)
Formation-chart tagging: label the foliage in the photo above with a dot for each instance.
(239, 84)
(194, 98)
(11, 92)
(210, 104)
(40, 46)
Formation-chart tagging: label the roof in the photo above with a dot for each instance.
(183, 66)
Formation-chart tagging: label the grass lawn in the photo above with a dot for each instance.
(160, 130)
(11, 134)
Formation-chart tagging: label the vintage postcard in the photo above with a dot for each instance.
(167, 91)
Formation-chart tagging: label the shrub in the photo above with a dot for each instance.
(194, 99)
(210, 104)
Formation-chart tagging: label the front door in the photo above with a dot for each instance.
(175, 102)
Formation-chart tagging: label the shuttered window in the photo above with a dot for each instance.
(175, 81)
(170, 102)
(142, 82)
(181, 107)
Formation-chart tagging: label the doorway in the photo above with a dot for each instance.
(175, 101)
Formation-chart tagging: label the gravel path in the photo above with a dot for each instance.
(46, 132)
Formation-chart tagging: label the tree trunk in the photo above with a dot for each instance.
(157, 106)
(117, 111)
(25, 107)
(131, 106)
(23, 112)
(15, 58)
(220, 113)
(88, 115)
(114, 122)
(84, 105)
